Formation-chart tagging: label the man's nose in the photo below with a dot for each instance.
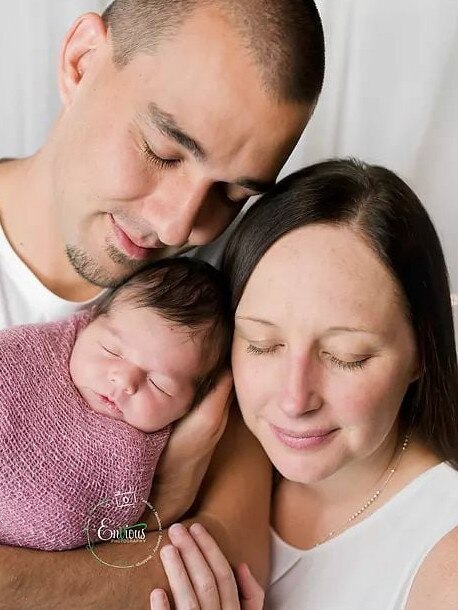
(175, 210)
(302, 392)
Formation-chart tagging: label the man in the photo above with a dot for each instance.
(173, 115)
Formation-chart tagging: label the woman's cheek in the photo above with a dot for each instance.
(356, 403)
(251, 383)
(364, 411)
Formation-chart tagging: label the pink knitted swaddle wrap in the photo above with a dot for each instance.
(58, 458)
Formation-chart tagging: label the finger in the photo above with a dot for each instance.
(251, 592)
(159, 600)
(180, 585)
(199, 572)
(219, 565)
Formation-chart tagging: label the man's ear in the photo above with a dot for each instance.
(87, 35)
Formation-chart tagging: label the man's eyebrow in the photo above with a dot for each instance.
(167, 125)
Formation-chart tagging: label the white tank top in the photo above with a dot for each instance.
(372, 565)
(23, 298)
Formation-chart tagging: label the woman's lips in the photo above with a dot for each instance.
(303, 440)
(126, 244)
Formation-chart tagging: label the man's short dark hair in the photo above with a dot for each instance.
(285, 37)
(188, 292)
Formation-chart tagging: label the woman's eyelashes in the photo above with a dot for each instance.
(254, 349)
(348, 365)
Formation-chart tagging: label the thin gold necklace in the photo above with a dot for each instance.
(371, 500)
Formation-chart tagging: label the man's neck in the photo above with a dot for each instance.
(29, 222)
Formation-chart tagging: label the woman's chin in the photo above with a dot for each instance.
(297, 472)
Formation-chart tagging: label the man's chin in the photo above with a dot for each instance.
(107, 275)
(117, 266)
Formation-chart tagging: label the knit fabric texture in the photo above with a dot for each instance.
(63, 467)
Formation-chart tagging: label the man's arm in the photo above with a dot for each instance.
(234, 503)
(233, 506)
(186, 458)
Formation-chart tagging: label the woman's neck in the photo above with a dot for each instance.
(304, 515)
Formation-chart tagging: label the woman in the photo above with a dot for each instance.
(345, 368)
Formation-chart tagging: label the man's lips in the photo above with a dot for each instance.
(130, 245)
(304, 439)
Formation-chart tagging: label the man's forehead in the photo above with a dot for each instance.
(205, 60)
(213, 104)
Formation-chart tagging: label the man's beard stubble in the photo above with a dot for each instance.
(92, 272)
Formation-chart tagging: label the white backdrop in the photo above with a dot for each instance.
(390, 96)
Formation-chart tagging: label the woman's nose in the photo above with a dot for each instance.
(302, 389)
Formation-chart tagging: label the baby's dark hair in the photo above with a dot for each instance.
(191, 293)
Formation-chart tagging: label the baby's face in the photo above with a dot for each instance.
(134, 365)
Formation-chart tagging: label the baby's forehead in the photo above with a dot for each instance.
(149, 330)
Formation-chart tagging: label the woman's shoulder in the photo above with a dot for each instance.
(436, 582)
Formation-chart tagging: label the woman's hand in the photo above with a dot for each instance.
(200, 577)
(188, 453)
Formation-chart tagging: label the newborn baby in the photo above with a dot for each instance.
(86, 404)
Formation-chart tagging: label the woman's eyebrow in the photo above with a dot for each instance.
(348, 329)
(257, 320)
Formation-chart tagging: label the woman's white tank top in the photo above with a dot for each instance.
(372, 565)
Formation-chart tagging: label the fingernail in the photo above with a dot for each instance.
(158, 595)
(168, 551)
(176, 530)
(158, 598)
(197, 528)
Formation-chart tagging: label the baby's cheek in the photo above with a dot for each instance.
(78, 369)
